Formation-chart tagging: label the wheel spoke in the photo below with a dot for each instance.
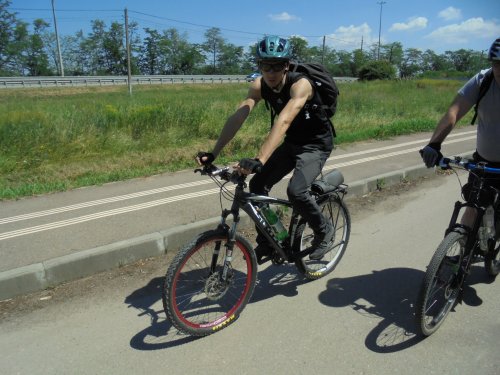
(195, 298)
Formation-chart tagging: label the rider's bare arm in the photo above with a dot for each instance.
(458, 109)
(236, 120)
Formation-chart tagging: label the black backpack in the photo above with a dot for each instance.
(485, 86)
(323, 82)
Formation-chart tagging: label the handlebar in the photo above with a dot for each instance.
(467, 164)
(224, 173)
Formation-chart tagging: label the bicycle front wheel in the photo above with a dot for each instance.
(337, 213)
(442, 283)
(199, 298)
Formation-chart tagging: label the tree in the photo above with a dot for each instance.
(411, 63)
(434, 62)
(299, 49)
(92, 48)
(460, 59)
(150, 53)
(37, 61)
(230, 59)
(114, 51)
(213, 45)
(359, 58)
(14, 39)
(392, 52)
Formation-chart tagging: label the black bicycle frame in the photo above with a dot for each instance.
(473, 203)
(249, 203)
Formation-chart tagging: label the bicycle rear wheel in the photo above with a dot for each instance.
(442, 283)
(197, 299)
(336, 211)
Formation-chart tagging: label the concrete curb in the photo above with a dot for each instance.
(55, 271)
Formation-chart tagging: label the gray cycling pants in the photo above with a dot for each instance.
(306, 163)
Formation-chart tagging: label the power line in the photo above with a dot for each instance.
(195, 24)
(203, 26)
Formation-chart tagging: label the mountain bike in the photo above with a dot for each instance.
(212, 278)
(443, 283)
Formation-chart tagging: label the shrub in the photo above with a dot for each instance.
(377, 70)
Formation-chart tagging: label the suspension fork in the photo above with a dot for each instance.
(231, 240)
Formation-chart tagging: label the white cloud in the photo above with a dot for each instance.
(459, 33)
(349, 37)
(450, 14)
(416, 23)
(283, 17)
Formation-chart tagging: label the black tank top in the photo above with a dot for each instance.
(310, 126)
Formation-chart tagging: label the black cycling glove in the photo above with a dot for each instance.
(252, 165)
(209, 157)
(431, 154)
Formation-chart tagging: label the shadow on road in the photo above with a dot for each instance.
(388, 295)
(160, 334)
(272, 281)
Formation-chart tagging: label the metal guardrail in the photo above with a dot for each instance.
(13, 82)
(56, 81)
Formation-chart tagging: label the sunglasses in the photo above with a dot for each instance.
(266, 67)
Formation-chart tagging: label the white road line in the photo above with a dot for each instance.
(399, 145)
(159, 202)
(101, 201)
(103, 214)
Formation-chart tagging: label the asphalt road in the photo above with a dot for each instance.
(38, 229)
(358, 320)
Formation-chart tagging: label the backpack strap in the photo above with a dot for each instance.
(483, 89)
(270, 108)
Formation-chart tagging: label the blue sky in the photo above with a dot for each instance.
(426, 24)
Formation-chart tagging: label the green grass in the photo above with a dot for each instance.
(59, 139)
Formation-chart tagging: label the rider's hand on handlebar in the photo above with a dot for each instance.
(205, 158)
(431, 154)
(248, 166)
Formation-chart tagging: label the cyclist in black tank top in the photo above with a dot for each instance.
(300, 140)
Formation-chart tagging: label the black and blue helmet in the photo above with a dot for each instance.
(494, 52)
(273, 48)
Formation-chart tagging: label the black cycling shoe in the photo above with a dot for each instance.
(322, 243)
(263, 252)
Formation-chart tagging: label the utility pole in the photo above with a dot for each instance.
(61, 67)
(127, 42)
(379, 28)
(323, 53)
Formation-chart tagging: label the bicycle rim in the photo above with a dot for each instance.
(442, 283)
(197, 299)
(334, 210)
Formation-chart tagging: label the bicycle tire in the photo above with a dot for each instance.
(195, 299)
(492, 261)
(441, 285)
(338, 214)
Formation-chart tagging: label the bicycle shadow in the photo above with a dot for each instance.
(388, 295)
(160, 334)
(271, 282)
